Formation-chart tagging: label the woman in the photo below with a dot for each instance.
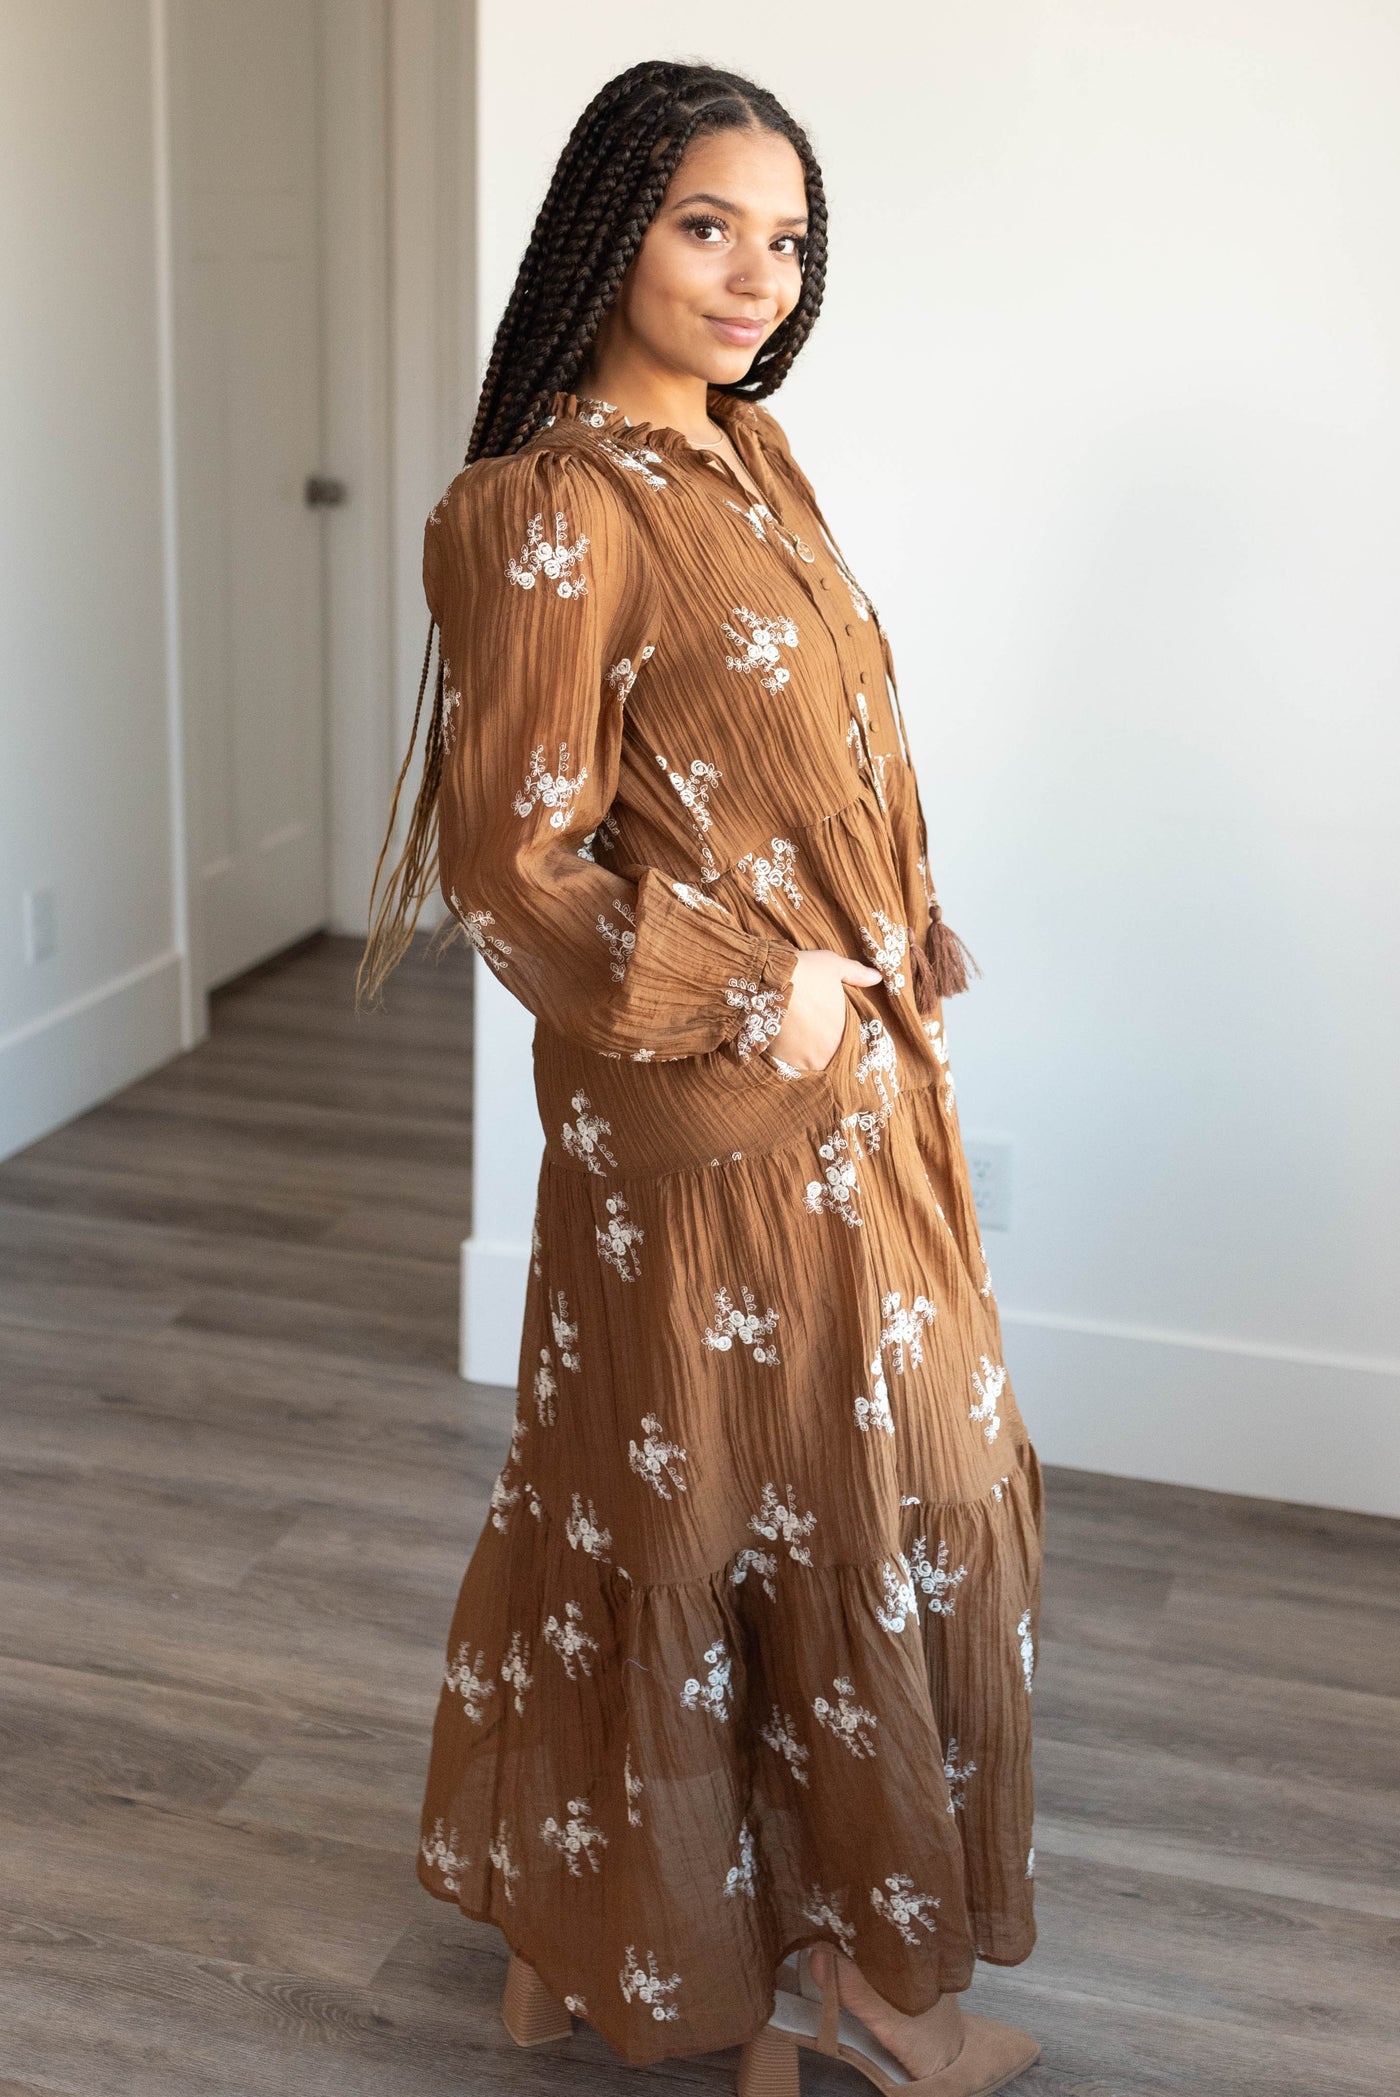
(742, 1660)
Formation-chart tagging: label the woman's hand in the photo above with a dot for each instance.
(816, 1010)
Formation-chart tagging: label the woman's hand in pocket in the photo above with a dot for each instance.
(815, 1018)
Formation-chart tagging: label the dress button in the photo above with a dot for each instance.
(849, 628)
(826, 582)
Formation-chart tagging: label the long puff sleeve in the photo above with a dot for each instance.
(547, 614)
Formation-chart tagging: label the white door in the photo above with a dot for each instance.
(248, 419)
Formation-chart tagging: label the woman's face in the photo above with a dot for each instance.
(720, 266)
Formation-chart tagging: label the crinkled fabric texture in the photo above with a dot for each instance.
(744, 1654)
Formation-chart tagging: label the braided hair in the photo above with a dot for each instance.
(604, 194)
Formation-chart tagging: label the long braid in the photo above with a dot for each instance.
(605, 191)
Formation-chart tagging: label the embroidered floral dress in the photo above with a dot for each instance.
(743, 1656)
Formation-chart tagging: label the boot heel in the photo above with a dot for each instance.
(768, 2066)
(530, 2013)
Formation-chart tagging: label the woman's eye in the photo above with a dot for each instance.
(704, 225)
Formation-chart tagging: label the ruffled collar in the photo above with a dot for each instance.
(733, 414)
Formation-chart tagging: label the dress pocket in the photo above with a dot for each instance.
(780, 1073)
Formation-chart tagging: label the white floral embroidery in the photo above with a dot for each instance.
(750, 1327)
(532, 1500)
(865, 1129)
(888, 951)
(637, 459)
(989, 1387)
(441, 1853)
(536, 1244)
(696, 899)
(633, 1787)
(986, 1288)
(657, 1459)
(569, 1639)
(694, 790)
(825, 1911)
(937, 1582)
(620, 939)
(777, 1518)
(1030, 1862)
(901, 1596)
(577, 1838)
(618, 1244)
(762, 1010)
(753, 516)
(585, 1532)
(741, 1877)
(565, 1330)
(499, 1853)
(576, 2004)
(693, 787)
(1027, 1644)
(647, 1985)
(878, 1060)
(546, 1390)
(779, 1735)
(553, 790)
(593, 411)
(623, 675)
(937, 1040)
(851, 1723)
(905, 1328)
(956, 1774)
(761, 1562)
(451, 709)
(583, 1139)
(772, 877)
(515, 1669)
(474, 922)
(897, 1901)
(466, 1677)
(836, 1191)
(710, 1694)
(503, 1499)
(758, 646)
(560, 563)
(875, 1411)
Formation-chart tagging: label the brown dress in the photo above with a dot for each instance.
(743, 1657)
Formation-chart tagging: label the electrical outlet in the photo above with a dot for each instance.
(40, 925)
(989, 1168)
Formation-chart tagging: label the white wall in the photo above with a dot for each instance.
(1103, 406)
(85, 782)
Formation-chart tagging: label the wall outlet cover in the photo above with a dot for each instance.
(989, 1168)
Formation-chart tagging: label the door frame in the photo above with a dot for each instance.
(397, 189)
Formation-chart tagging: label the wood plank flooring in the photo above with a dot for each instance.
(240, 1481)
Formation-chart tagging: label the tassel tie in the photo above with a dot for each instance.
(941, 962)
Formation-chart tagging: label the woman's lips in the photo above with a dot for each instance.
(742, 333)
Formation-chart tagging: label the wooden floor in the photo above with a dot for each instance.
(240, 1484)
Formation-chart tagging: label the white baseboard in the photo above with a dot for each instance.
(1228, 1416)
(1231, 1416)
(65, 1061)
